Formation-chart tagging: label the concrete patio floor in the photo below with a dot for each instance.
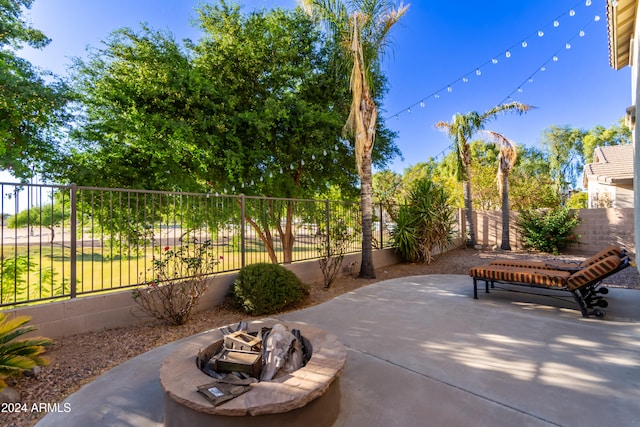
(422, 352)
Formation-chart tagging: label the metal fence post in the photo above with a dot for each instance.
(242, 236)
(381, 229)
(327, 218)
(74, 242)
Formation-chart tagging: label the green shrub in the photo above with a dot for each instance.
(424, 224)
(550, 230)
(266, 289)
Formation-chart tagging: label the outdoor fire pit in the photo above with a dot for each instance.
(309, 395)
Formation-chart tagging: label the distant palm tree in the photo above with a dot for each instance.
(17, 356)
(506, 161)
(460, 130)
(363, 27)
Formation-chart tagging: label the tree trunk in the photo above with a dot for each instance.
(468, 213)
(286, 236)
(367, 270)
(506, 245)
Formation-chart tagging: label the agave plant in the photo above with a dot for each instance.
(19, 355)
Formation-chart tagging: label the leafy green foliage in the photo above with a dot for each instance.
(13, 272)
(19, 355)
(266, 289)
(32, 109)
(179, 281)
(424, 224)
(548, 230)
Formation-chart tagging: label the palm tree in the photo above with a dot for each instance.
(506, 161)
(17, 356)
(460, 131)
(362, 27)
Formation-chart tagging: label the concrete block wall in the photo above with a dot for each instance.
(599, 228)
(116, 309)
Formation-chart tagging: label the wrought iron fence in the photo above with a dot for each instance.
(64, 241)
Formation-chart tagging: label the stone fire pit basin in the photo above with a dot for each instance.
(310, 395)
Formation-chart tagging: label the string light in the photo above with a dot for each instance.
(587, 3)
(523, 43)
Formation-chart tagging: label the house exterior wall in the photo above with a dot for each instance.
(635, 86)
(610, 196)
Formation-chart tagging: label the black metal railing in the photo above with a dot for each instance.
(64, 241)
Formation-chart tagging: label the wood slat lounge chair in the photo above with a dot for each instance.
(583, 284)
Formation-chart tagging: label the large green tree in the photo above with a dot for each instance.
(599, 136)
(564, 153)
(363, 28)
(254, 106)
(32, 101)
(460, 130)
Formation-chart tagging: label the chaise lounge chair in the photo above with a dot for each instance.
(560, 265)
(583, 284)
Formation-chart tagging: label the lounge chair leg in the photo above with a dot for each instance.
(475, 288)
(486, 286)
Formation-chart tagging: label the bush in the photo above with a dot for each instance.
(266, 289)
(19, 355)
(548, 231)
(424, 223)
(179, 281)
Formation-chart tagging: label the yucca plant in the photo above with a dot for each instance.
(424, 224)
(19, 355)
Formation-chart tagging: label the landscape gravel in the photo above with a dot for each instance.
(77, 360)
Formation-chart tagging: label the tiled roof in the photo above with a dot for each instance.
(611, 165)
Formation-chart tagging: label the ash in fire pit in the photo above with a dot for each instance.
(243, 358)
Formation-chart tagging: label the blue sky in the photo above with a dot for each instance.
(434, 47)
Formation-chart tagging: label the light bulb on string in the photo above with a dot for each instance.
(313, 157)
(507, 54)
(436, 96)
(567, 46)
(587, 3)
(281, 170)
(324, 152)
(261, 179)
(449, 89)
(556, 23)
(581, 33)
(555, 58)
(335, 147)
(291, 166)
(543, 69)
(478, 72)
(422, 103)
(530, 80)
(409, 110)
(233, 189)
(520, 89)
(252, 183)
(465, 80)
(572, 12)
(301, 162)
(596, 18)
(494, 60)
(524, 43)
